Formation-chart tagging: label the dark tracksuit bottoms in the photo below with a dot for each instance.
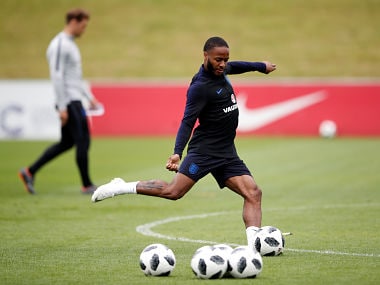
(75, 132)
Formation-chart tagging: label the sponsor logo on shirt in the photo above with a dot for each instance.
(233, 98)
(232, 107)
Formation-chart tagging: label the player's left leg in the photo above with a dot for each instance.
(80, 132)
(246, 187)
(235, 175)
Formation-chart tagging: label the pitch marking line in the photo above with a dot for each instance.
(146, 229)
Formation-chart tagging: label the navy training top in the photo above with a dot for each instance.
(211, 99)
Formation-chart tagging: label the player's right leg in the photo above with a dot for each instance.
(66, 142)
(174, 190)
(28, 180)
(27, 174)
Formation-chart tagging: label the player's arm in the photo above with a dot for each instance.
(194, 104)
(238, 67)
(86, 92)
(173, 162)
(57, 64)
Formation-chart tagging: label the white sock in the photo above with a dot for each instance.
(131, 187)
(128, 187)
(251, 235)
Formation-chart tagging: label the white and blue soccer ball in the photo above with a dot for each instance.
(157, 260)
(269, 241)
(209, 262)
(245, 262)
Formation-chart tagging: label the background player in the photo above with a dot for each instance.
(65, 65)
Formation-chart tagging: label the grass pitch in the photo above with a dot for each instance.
(164, 39)
(324, 191)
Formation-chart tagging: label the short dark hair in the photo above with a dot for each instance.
(77, 14)
(214, 42)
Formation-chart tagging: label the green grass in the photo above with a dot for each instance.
(164, 39)
(324, 191)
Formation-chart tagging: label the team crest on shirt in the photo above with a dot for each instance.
(233, 98)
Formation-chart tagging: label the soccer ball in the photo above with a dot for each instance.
(327, 129)
(269, 241)
(157, 260)
(245, 262)
(209, 262)
(226, 250)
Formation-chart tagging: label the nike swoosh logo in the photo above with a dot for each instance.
(253, 119)
(219, 91)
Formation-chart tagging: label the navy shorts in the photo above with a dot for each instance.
(196, 166)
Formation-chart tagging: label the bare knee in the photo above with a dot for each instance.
(257, 191)
(174, 190)
(162, 189)
(178, 188)
(254, 194)
(173, 194)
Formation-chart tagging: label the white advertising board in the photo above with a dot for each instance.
(27, 110)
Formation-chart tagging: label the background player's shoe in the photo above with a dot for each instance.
(89, 189)
(108, 190)
(27, 179)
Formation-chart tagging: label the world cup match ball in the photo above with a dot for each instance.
(327, 129)
(226, 251)
(209, 262)
(245, 262)
(157, 260)
(269, 241)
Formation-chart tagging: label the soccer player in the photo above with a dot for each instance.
(211, 100)
(65, 66)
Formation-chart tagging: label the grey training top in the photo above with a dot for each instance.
(65, 66)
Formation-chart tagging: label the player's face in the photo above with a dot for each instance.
(79, 27)
(216, 59)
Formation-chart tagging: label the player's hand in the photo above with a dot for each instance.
(270, 66)
(94, 103)
(173, 162)
(64, 117)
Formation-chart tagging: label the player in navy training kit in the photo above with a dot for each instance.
(66, 74)
(210, 99)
